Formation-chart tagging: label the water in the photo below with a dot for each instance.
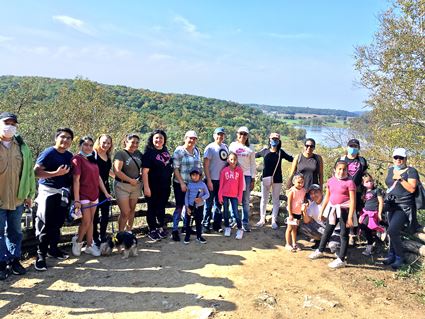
(327, 136)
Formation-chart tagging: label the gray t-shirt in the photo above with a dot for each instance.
(217, 154)
(129, 167)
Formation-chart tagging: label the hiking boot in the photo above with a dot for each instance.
(337, 263)
(154, 235)
(368, 250)
(239, 234)
(175, 235)
(92, 250)
(315, 254)
(40, 263)
(389, 259)
(17, 268)
(58, 254)
(227, 231)
(76, 246)
(201, 240)
(398, 262)
(4, 270)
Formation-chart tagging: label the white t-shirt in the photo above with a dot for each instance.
(313, 211)
(246, 158)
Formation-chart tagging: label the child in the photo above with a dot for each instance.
(339, 206)
(296, 196)
(196, 194)
(371, 214)
(231, 189)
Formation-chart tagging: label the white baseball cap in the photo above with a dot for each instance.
(190, 134)
(243, 129)
(400, 152)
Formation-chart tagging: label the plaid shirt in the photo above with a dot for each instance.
(184, 162)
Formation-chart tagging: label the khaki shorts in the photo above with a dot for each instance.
(124, 190)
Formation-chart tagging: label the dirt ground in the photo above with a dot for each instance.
(226, 278)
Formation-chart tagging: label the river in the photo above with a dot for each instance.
(325, 135)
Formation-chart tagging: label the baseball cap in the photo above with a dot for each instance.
(219, 130)
(190, 134)
(274, 135)
(314, 187)
(353, 142)
(400, 152)
(8, 116)
(243, 129)
(195, 170)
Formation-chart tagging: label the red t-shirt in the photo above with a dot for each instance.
(89, 177)
(340, 190)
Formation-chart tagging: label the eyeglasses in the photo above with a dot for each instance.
(401, 158)
(243, 134)
(310, 146)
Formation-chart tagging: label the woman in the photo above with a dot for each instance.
(127, 168)
(157, 171)
(246, 159)
(86, 184)
(309, 164)
(103, 148)
(185, 158)
(272, 177)
(400, 204)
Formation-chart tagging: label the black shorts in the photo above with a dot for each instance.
(297, 216)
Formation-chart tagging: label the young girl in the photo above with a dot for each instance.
(231, 189)
(296, 197)
(339, 206)
(86, 185)
(372, 212)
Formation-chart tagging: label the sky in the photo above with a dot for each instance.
(297, 53)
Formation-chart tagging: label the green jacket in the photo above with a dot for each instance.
(27, 181)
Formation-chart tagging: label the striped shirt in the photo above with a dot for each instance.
(184, 162)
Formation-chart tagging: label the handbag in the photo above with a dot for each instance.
(420, 196)
(268, 180)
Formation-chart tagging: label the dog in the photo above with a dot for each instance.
(120, 240)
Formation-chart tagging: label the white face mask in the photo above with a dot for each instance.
(7, 130)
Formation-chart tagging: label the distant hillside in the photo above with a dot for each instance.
(304, 110)
(175, 113)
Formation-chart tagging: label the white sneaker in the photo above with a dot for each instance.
(92, 250)
(275, 226)
(315, 254)
(368, 250)
(337, 263)
(239, 234)
(227, 231)
(260, 223)
(76, 246)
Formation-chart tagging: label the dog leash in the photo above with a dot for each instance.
(74, 216)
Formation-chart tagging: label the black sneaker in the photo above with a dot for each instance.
(58, 254)
(40, 264)
(316, 245)
(154, 235)
(4, 271)
(162, 233)
(206, 230)
(246, 228)
(17, 268)
(201, 240)
(175, 235)
(186, 240)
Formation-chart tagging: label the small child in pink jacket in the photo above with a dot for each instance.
(231, 188)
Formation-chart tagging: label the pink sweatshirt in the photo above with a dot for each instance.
(231, 183)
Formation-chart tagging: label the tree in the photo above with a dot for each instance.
(392, 68)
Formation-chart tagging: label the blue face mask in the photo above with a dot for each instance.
(274, 143)
(84, 154)
(399, 167)
(352, 151)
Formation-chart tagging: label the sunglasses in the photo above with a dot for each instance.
(401, 158)
(353, 146)
(243, 133)
(310, 146)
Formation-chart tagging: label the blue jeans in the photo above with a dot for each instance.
(179, 198)
(234, 203)
(213, 208)
(10, 223)
(245, 200)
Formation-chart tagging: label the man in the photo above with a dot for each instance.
(53, 170)
(313, 227)
(17, 187)
(215, 157)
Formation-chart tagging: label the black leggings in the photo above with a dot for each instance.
(198, 215)
(396, 221)
(343, 233)
(100, 236)
(156, 207)
(368, 233)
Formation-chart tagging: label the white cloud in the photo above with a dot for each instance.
(289, 35)
(189, 27)
(4, 38)
(160, 57)
(75, 24)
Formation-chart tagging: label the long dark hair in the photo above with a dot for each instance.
(149, 142)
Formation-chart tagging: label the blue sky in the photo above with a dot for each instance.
(268, 52)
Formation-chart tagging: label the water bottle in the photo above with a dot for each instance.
(28, 218)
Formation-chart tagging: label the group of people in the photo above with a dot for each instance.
(208, 190)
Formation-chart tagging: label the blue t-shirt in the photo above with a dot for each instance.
(51, 159)
(196, 190)
(217, 154)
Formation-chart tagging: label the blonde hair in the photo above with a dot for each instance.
(96, 145)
